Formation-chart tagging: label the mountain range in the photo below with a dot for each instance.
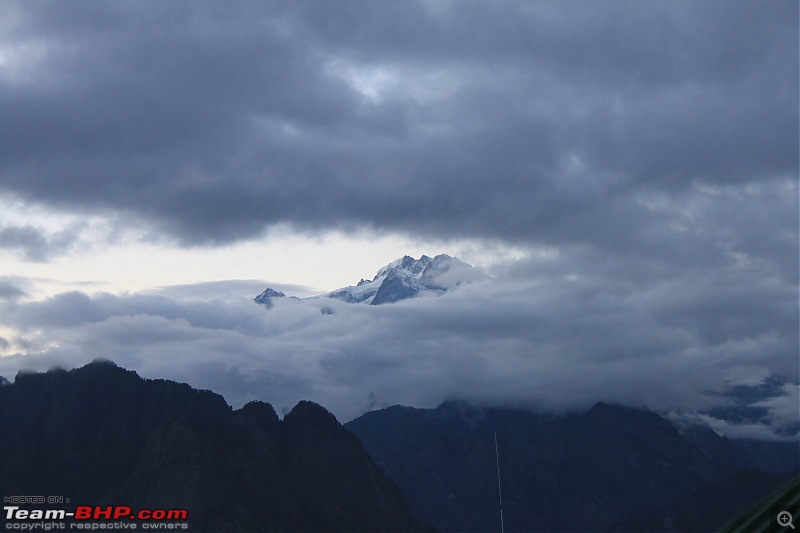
(401, 279)
(610, 468)
(101, 435)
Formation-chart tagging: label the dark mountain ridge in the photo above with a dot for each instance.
(599, 470)
(101, 435)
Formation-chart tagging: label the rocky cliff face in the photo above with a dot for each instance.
(101, 435)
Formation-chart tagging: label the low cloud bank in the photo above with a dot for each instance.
(548, 341)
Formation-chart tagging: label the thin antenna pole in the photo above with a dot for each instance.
(499, 488)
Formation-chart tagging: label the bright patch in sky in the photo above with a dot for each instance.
(105, 258)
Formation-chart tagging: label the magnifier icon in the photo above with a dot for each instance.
(785, 519)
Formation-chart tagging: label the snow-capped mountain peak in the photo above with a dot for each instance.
(408, 277)
(399, 280)
(265, 298)
(409, 265)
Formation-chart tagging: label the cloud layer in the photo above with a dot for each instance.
(643, 158)
(559, 338)
(526, 122)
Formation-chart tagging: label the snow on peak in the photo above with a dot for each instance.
(265, 298)
(408, 277)
(401, 279)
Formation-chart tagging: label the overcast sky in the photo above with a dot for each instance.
(626, 171)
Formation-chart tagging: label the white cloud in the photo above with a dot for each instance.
(556, 345)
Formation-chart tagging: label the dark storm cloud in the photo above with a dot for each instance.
(10, 288)
(34, 244)
(524, 121)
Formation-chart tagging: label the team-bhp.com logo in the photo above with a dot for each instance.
(116, 512)
(94, 517)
